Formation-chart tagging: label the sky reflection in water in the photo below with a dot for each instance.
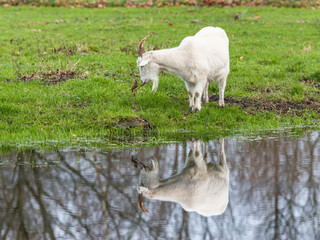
(273, 193)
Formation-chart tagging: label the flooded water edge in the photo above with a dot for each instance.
(272, 192)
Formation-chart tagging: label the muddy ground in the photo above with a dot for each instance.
(281, 107)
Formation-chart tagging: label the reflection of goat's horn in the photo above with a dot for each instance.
(155, 165)
(140, 48)
(141, 204)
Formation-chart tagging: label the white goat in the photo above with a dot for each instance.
(201, 187)
(198, 60)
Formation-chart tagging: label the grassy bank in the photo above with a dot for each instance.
(67, 73)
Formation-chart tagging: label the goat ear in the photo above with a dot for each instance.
(143, 63)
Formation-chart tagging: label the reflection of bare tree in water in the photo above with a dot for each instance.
(49, 202)
(281, 186)
(15, 190)
(274, 194)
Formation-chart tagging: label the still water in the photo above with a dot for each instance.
(223, 189)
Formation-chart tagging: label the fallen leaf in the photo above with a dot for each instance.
(60, 20)
(307, 49)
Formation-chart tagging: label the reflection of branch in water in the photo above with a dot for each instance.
(8, 216)
(76, 172)
(115, 186)
(110, 171)
(184, 228)
(45, 216)
(81, 220)
(312, 208)
(22, 232)
(83, 179)
(106, 175)
(102, 198)
(276, 196)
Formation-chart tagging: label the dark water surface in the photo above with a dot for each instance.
(262, 189)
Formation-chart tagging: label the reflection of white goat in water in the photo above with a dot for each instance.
(201, 187)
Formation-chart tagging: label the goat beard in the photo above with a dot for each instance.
(155, 85)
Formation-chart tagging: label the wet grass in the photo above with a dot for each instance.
(274, 57)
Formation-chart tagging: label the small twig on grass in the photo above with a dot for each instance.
(38, 46)
(135, 87)
(244, 13)
(74, 65)
(140, 86)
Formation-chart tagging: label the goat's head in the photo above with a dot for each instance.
(147, 183)
(149, 179)
(149, 70)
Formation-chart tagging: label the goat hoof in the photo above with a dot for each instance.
(221, 104)
(196, 110)
(190, 109)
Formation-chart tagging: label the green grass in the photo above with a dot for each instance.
(278, 46)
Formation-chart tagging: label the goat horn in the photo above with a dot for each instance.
(140, 48)
(141, 204)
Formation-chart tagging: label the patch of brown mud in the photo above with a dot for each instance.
(312, 79)
(310, 82)
(281, 107)
(132, 123)
(52, 77)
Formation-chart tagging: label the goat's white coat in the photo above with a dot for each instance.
(199, 187)
(198, 60)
